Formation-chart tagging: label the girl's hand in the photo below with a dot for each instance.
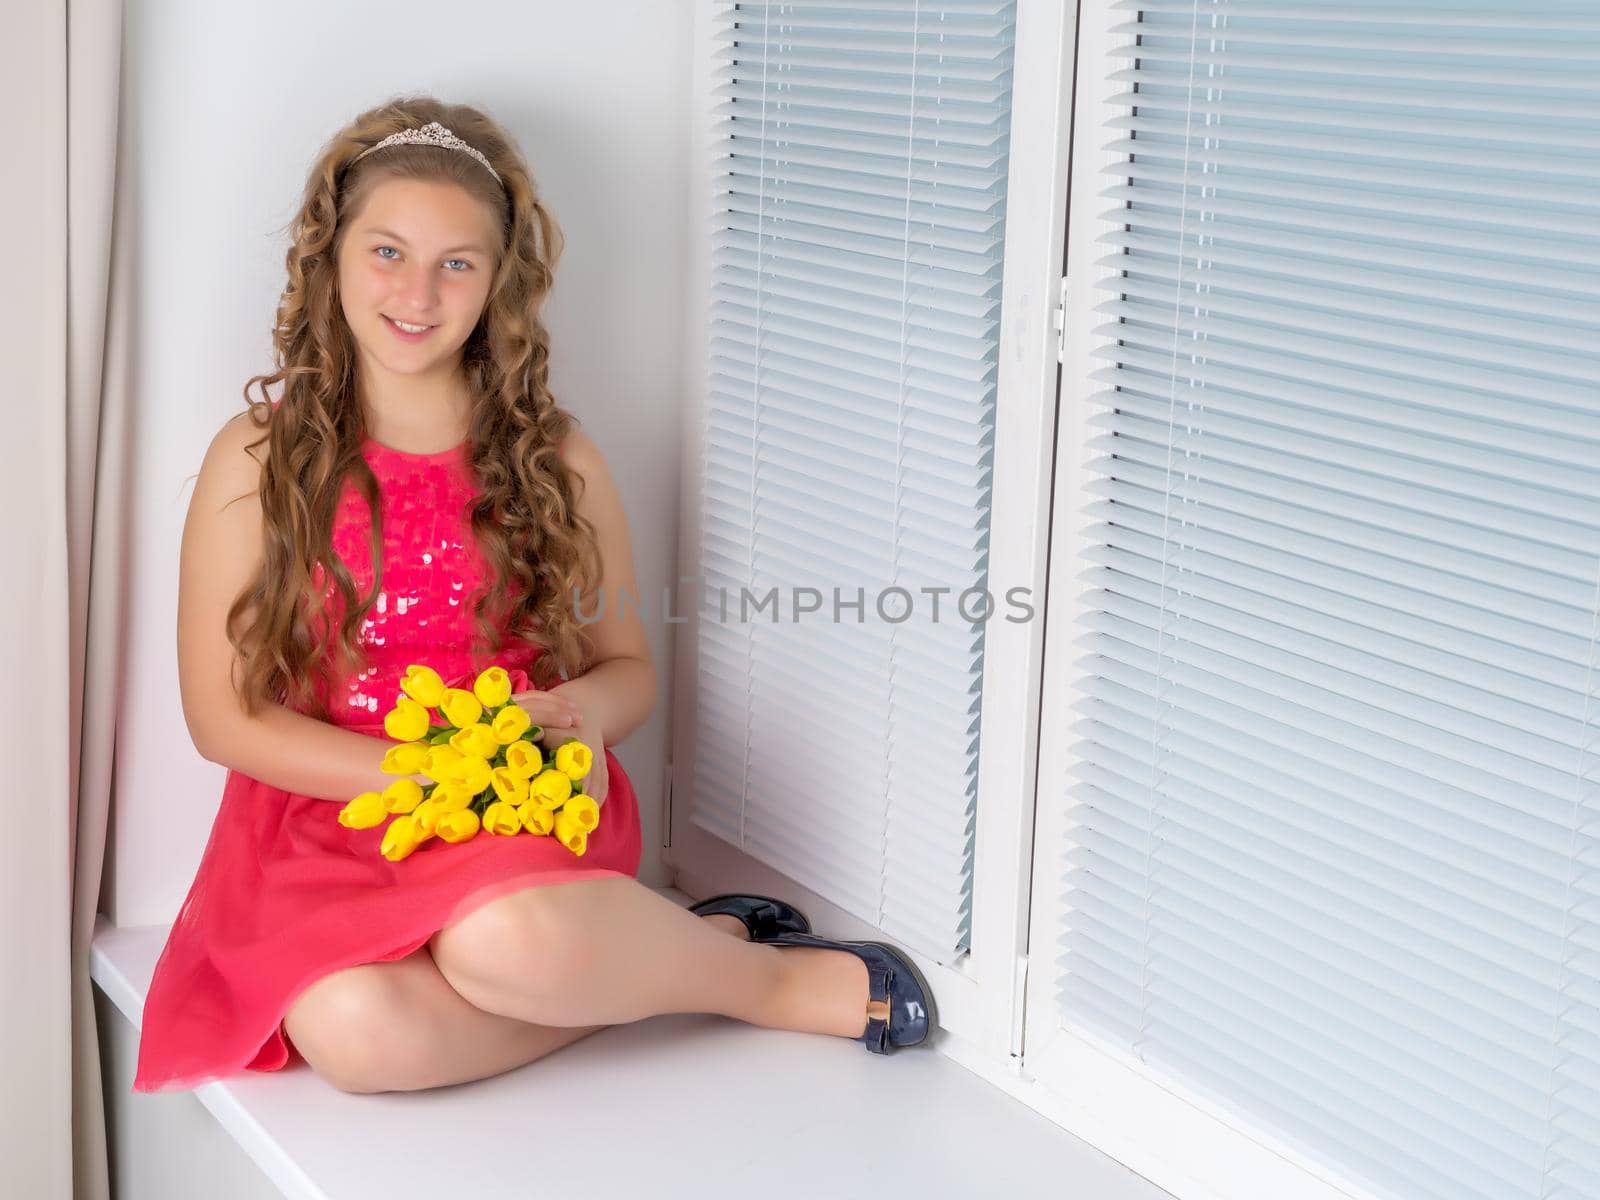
(552, 710)
(562, 719)
(598, 781)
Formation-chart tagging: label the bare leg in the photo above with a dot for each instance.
(399, 1026)
(612, 950)
(729, 924)
(431, 1036)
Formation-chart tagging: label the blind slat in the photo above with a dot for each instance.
(854, 333)
(1335, 835)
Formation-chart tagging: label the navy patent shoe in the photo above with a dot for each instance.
(762, 915)
(896, 989)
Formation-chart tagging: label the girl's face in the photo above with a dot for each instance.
(420, 253)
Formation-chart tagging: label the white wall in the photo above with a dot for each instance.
(226, 106)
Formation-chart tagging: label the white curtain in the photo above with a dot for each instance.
(62, 480)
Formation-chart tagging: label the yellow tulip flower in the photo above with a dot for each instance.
(573, 759)
(402, 796)
(426, 815)
(450, 797)
(407, 721)
(461, 826)
(584, 812)
(423, 685)
(536, 818)
(441, 763)
(476, 739)
(501, 818)
(460, 707)
(571, 833)
(405, 759)
(510, 723)
(507, 786)
(472, 773)
(363, 812)
(485, 744)
(402, 837)
(551, 788)
(524, 760)
(492, 687)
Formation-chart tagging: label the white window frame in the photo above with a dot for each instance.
(979, 996)
(997, 1016)
(1175, 1138)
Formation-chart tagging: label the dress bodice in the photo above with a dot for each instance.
(432, 567)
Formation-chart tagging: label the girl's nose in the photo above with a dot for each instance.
(420, 290)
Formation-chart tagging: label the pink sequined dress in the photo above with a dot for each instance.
(284, 894)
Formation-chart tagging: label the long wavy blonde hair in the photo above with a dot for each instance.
(524, 520)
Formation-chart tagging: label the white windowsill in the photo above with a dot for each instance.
(677, 1105)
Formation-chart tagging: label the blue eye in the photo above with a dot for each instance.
(465, 265)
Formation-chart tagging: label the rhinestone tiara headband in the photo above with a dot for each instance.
(431, 134)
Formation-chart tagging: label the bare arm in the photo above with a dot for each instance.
(618, 692)
(298, 753)
(221, 552)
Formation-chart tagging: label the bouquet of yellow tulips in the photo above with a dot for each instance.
(487, 770)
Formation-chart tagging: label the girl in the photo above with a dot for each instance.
(417, 495)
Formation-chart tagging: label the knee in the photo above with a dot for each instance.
(359, 1033)
(518, 946)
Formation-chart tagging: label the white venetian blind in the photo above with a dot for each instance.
(1334, 854)
(854, 331)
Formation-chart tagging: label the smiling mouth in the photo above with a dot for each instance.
(402, 326)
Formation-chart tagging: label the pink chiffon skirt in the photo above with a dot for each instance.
(284, 895)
